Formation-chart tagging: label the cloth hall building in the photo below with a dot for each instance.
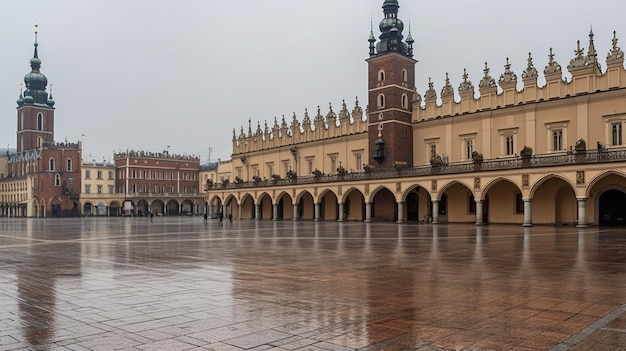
(541, 154)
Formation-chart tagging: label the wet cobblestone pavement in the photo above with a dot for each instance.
(178, 284)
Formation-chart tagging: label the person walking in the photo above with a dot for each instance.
(230, 218)
(206, 217)
(220, 216)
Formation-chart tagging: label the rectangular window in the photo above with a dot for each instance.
(433, 150)
(111, 189)
(358, 160)
(110, 174)
(557, 140)
(469, 148)
(99, 174)
(99, 189)
(616, 134)
(87, 189)
(87, 174)
(509, 145)
(270, 169)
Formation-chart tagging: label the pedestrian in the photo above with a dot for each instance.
(151, 216)
(230, 218)
(220, 216)
(206, 217)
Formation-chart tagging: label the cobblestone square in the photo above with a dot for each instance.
(178, 284)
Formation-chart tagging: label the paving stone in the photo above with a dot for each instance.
(128, 284)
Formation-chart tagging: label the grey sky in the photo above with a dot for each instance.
(151, 74)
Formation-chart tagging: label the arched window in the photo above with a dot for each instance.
(405, 101)
(39, 141)
(381, 75)
(405, 76)
(69, 164)
(40, 121)
(51, 165)
(381, 100)
(57, 179)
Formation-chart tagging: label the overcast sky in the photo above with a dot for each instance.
(152, 74)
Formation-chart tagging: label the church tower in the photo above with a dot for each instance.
(35, 108)
(391, 84)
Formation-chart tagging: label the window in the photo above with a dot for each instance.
(39, 141)
(51, 165)
(381, 101)
(270, 168)
(509, 145)
(431, 149)
(87, 174)
(557, 136)
(469, 148)
(111, 189)
(405, 101)
(381, 76)
(358, 160)
(99, 189)
(616, 134)
(333, 162)
(39, 121)
(467, 141)
(405, 76)
(110, 174)
(557, 140)
(87, 188)
(57, 179)
(69, 164)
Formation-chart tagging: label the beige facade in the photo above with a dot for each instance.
(98, 196)
(469, 149)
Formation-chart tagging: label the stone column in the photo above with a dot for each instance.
(435, 211)
(275, 212)
(340, 219)
(295, 212)
(400, 205)
(368, 212)
(582, 222)
(240, 211)
(479, 212)
(317, 211)
(528, 212)
(257, 212)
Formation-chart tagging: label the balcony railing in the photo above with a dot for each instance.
(536, 161)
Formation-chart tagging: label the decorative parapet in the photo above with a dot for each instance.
(59, 145)
(587, 77)
(160, 155)
(320, 128)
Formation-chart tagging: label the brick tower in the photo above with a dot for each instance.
(391, 84)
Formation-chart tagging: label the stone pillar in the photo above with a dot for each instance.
(368, 212)
(275, 212)
(340, 212)
(257, 212)
(400, 212)
(528, 212)
(435, 211)
(295, 212)
(240, 211)
(317, 211)
(479, 212)
(582, 222)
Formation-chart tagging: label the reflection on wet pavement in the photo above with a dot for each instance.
(178, 284)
